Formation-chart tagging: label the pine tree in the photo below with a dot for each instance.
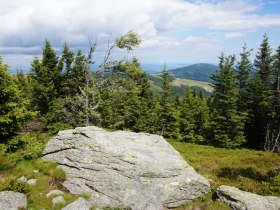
(262, 86)
(187, 121)
(243, 72)
(193, 117)
(226, 123)
(13, 108)
(168, 122)
(46, 78)
(272, 137)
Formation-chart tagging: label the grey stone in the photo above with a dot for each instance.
(22, 179)
(32, 182)
(54, 192)
(79, 204)
(12, 200)
(242, 200)
(58, 200)
(124, 169)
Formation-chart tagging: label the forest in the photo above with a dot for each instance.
(220, 135)
(63, 91)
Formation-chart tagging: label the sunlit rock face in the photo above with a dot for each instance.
(124, 169)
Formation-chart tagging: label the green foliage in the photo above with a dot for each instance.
(243, 71)
(46, 84)
(199, 72)
(226, 127)
(193, 118)
(249, 170)
(13, 184)
(128, 41)
(168, 116)
(25, 147)
(13, 108)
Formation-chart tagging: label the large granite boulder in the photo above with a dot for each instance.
(79, 204)
(12, 200)
(124, 169)
(242, 200)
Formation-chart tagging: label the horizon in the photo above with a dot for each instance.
(173, 31)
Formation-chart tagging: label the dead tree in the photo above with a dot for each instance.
(89, 93)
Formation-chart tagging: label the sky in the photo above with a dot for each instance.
(172, 31)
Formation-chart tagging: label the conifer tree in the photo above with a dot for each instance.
(193, 117)
(262, 86)
(46, 78)
(272, 137)
(168, 122)
(13, 108)
(226, 122)
(243, 72)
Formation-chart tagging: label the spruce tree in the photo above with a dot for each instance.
(46, 78)
(193, 117)
(226, 122)
(168, 116)
(272, 137)
(13, 108)
(243, 73)
(262, 86)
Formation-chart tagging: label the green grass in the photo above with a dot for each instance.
(187, 82)
(48, 175)
(249, 170)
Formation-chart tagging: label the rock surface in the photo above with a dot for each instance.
(54, 192)
(32, 182)
(124, 169)
(79, 204)
(58, 200)
(242, 200)
(12, 200)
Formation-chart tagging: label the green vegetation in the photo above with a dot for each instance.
(199, 72)
(178, 86)
(62, 91)
(249, 170)
(48, 176)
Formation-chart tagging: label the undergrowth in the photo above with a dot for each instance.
(250, 170)
(21, 157)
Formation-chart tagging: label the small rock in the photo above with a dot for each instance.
(79, 204)
(22, 179)
(32, 182)
(58, 200)
(35, 171)
(54, 192)
(242, 200)
(12, 200)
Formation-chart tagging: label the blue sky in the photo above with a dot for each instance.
(173, 31)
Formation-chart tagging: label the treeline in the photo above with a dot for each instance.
(62, 92)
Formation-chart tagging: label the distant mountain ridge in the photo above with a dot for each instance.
(199, 72)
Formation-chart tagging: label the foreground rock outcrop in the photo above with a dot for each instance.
(12, 200)
(124, 169)
(242, 200)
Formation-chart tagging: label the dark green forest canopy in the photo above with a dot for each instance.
(63, 91)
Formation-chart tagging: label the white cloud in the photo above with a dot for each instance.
(26, 24)
(233, 35)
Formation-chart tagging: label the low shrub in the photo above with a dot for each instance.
(25, 147)
(12, 184)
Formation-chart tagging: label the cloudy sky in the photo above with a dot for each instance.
(173, 31)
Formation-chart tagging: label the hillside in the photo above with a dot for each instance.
(179, 85)
(200, 72)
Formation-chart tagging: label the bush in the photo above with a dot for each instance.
(12, 184)
(59, 174)
(25, 147)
